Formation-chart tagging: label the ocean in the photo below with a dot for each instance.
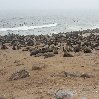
(47, 21)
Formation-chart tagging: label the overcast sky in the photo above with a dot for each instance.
(48, 4)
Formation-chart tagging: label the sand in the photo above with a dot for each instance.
(42, 84)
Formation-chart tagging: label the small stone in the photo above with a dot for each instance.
(72, 74)
(20, 74)
(38, 66)
(87, 75)
(62, 94)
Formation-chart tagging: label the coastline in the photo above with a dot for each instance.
(92, 30)
(63, 61)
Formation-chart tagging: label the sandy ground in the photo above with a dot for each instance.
(42, 84)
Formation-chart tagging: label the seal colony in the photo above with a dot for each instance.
(76, 41)
(37, 66)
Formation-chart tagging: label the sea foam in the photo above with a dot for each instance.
(25, 28)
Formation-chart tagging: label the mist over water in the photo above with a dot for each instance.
(47, 21)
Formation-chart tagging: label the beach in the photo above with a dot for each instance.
(63, 61)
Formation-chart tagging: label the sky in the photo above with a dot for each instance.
(48, 4)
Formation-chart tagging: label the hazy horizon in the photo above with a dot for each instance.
(48, 4)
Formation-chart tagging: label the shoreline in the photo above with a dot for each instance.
(95, 30)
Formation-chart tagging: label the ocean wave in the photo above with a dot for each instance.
(77, 28)
(25, 28)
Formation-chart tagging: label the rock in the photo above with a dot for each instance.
(20, 74)
(72, 74)
(67, 54)
(87, 75)
(38, 66)
(77, 74)
(62, 94)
